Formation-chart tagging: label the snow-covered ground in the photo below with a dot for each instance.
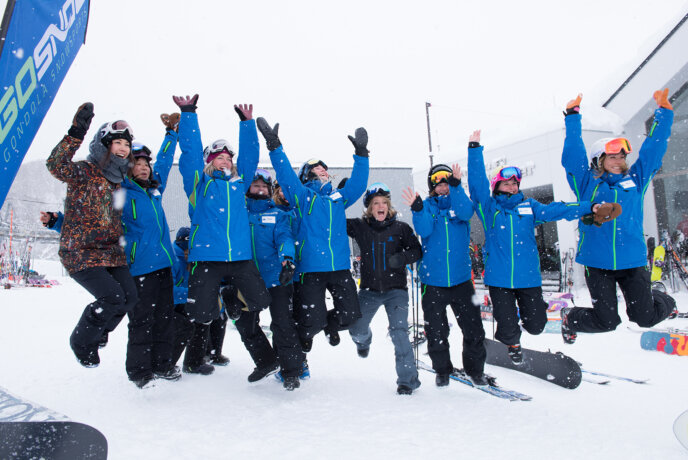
(349, 408)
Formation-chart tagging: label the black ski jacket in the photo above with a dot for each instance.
(379, 241)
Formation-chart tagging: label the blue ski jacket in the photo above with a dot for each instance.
(322, 244)
(271, 238)
(619, 244)
(180, 276)
(219, 219)
(444, 227)
(510, 253)
(146, 233)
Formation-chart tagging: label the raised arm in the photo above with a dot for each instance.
(60, 162)
(422, 219)
(191, 160)
(574, 158)
(358, 181)
(165, 157)
(655, 144)
(249, 149)
(460, 203)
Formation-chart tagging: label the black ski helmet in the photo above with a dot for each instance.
(437, 169)
(305, 172)
(119, 129)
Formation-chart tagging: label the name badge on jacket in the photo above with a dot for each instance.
(628, 183)
(268, 219)
(523, 210)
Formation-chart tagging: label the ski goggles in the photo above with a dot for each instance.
(378, 188)
(220, 146)
(440, 176)
(140, 151)
(618, 145)
(119, 127)
(264, 175)
(506, 173)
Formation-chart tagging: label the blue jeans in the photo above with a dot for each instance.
(396, 305)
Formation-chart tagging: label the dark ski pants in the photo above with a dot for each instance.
(460, 298)
(396, 306)
(151, 325)
(183, 330)
(531, 308)
(254, 339)
(217, 335)
(285, 336)
(115, 293)
(312, 315)
(644, 306)
(204, 286)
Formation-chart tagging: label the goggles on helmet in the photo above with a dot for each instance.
(140, 151)
(264, 175)
(506, 173)
(307, 167)
(119, 129)
(440, 176)
(618, 145)
(376, 189)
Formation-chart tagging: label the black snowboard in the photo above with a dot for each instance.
(55, 440)
(556, 368)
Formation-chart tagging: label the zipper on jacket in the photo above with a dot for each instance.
(132, 254)
(616, 193)
(194, 235)
(373, 246)
(329, 237)
(511, 219)
(133, 207)
(253, 244)
(229, 214)
(384, 256)
(446, 234)
(157, 221)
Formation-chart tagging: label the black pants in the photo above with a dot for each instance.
(311, 312)
(217, 335)
(285, 337)
(151, 325)
(204, 285)
(644, 306)
(460, 299)
(183, 330)
(115, 293)
(254, 339)
(531, 308)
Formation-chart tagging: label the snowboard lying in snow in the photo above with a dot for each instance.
(28, 430)
(556, 368)
(671, 343)
(681, 429)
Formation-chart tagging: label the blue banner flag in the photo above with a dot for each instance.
(39, 40)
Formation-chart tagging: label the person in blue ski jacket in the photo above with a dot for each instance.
(442, 221)
(512, 262)
(273, 254)
(615, 254)
(220, 244)
(322, 251)
(150, 257)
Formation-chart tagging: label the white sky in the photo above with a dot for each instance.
(321, 69)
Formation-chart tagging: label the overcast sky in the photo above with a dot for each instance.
(323, 68)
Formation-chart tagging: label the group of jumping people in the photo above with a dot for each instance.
(259, 242)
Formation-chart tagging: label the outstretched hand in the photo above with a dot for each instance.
(456, 171)
(573, 106)
(186, 103)
(360, 142)
(475, 137)
(662, 98)
(81, 121)
(245, 111)
(270, 134)
(171, 121)
(412, 199)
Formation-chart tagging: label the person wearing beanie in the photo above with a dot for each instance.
(387, 246)
(90, 235)
(220, 243)
(615, 254)
(443, 222)
(512, 267)
(150, 256)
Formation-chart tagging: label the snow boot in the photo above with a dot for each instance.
(171, 374)
(442, 380)
(333, 337)
(363, 352)
(479, 380)
(515, 353)
(291, 383)
(306, 344)
(218, 360)
(404, 390)
(88, 359)
(203, 369)
(144, 382)
(103, 340)
(259, 373)
(568, 335)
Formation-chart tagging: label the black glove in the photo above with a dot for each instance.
(397, 260)
(287, 272)
(82, 121)
(417, 204)
(360, 142)
(270, 134)
(453, 181)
